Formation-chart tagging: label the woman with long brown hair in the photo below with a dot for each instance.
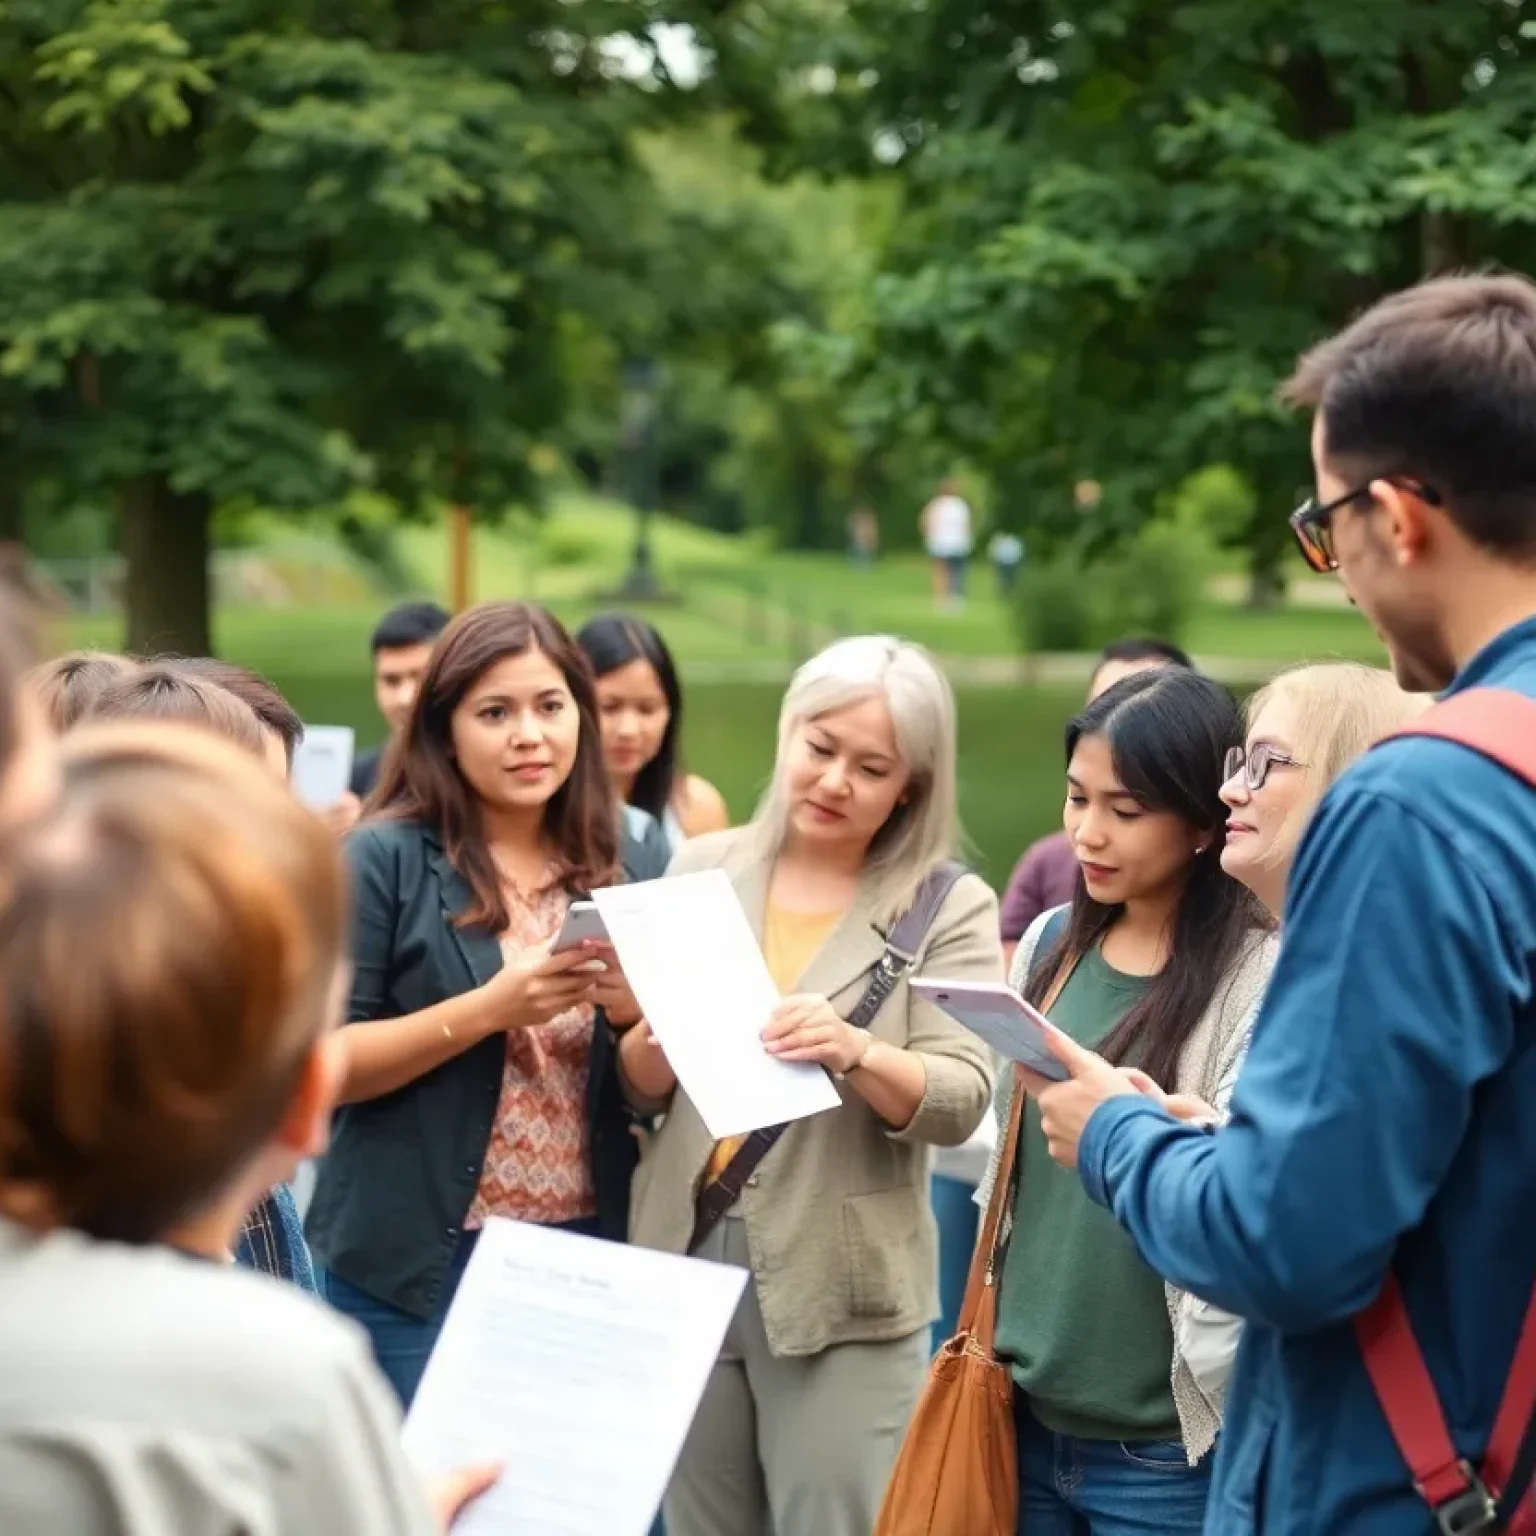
(479, 1067)
(172, 970)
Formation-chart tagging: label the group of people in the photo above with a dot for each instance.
(1293, 1018)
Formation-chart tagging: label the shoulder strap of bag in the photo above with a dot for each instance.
(978, 1309)
(1497, 1496)
(902, 945)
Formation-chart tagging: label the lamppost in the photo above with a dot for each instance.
(638, 446)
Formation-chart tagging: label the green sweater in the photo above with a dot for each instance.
(1081, 1318)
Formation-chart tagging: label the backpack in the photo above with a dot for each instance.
(1495, 1496)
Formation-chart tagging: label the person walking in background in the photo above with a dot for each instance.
(1159, 963)
(805, 1409)
(1367, 1209)
(640, 703)
(401, 647)
(863, 537)
(174, 952)
(1005, 549)
(479, 1071)
(946, 528)
(1046, 876)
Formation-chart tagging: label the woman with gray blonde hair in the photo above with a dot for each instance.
(848, 879)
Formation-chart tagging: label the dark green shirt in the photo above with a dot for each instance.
(1081, 1319)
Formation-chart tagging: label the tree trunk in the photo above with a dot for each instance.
(166, 589)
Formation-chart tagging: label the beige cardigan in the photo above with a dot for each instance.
(1208, 1061)
(843, 1241)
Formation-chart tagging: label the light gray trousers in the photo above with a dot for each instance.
(791, 1447)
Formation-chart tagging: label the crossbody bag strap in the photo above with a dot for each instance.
(902, 945)
(978, 1311)
(1500, 725)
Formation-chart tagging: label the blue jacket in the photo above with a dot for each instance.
(1386, 1114)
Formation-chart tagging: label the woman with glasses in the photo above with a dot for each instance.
(1304, 729)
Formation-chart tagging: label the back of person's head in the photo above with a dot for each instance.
(1335, 710)
(614, 640)
(276, 715)
(415, 623)
(924, 827)
(172, 935)
(1438, 383)
(161, 690)
(67, 685)
(421, 780)
(1124, 658)
(1168, 732)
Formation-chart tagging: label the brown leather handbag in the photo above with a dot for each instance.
(957, 1472)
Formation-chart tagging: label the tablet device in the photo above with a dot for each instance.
(1000, 1016)
(583, 924)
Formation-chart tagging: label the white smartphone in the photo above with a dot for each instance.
(583, 924)
(1000, 1016)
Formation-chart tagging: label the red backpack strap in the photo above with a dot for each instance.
(1500, 725)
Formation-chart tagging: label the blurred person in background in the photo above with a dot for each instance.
(401, 647)
(947, 538)
(640, 701)
(173, 951)
(479, 1068)
(804, 1411)
(66, 685)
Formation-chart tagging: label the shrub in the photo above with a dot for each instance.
(1053, 607)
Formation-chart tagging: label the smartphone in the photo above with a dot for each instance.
(583, 924)
(1000, 1016)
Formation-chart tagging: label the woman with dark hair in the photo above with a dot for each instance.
(1159, 964)
(641, 704)
(480, 1071)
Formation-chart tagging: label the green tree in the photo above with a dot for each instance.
(274, 250)
(1123, 221)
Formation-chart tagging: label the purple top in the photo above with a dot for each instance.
(1044, 878)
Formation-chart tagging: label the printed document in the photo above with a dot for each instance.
(697, 972)
(578, 1365)
(322, 765)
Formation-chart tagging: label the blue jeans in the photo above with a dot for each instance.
(401, 1340)
(1070, 1487)
(955, 1210)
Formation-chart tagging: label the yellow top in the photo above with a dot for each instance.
(790, 942)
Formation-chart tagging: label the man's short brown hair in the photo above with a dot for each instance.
(67, 685)
(1438, 384)
(162, 691)
(252, 689)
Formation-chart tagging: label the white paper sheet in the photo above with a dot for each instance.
(697, 972)
(576, 1363)
(322, 765)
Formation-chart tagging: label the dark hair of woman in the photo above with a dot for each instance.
(1168, 732)
(419, 780)
(614, 640)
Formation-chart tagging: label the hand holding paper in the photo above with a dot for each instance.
(700, 979)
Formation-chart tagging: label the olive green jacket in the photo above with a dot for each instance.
(842, 1236)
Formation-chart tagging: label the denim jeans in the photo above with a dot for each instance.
(1070, 1487)
(954, 1208)
(401, 1341)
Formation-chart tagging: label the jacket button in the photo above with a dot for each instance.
(752, 1182)
(451, 1231)
(471, 1170)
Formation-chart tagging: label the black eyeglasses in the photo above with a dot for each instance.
(1255, 762)
(1313, 523)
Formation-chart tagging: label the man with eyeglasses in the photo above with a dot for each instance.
(1373, 1199)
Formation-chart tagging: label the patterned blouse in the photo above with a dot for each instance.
(536, 1165)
